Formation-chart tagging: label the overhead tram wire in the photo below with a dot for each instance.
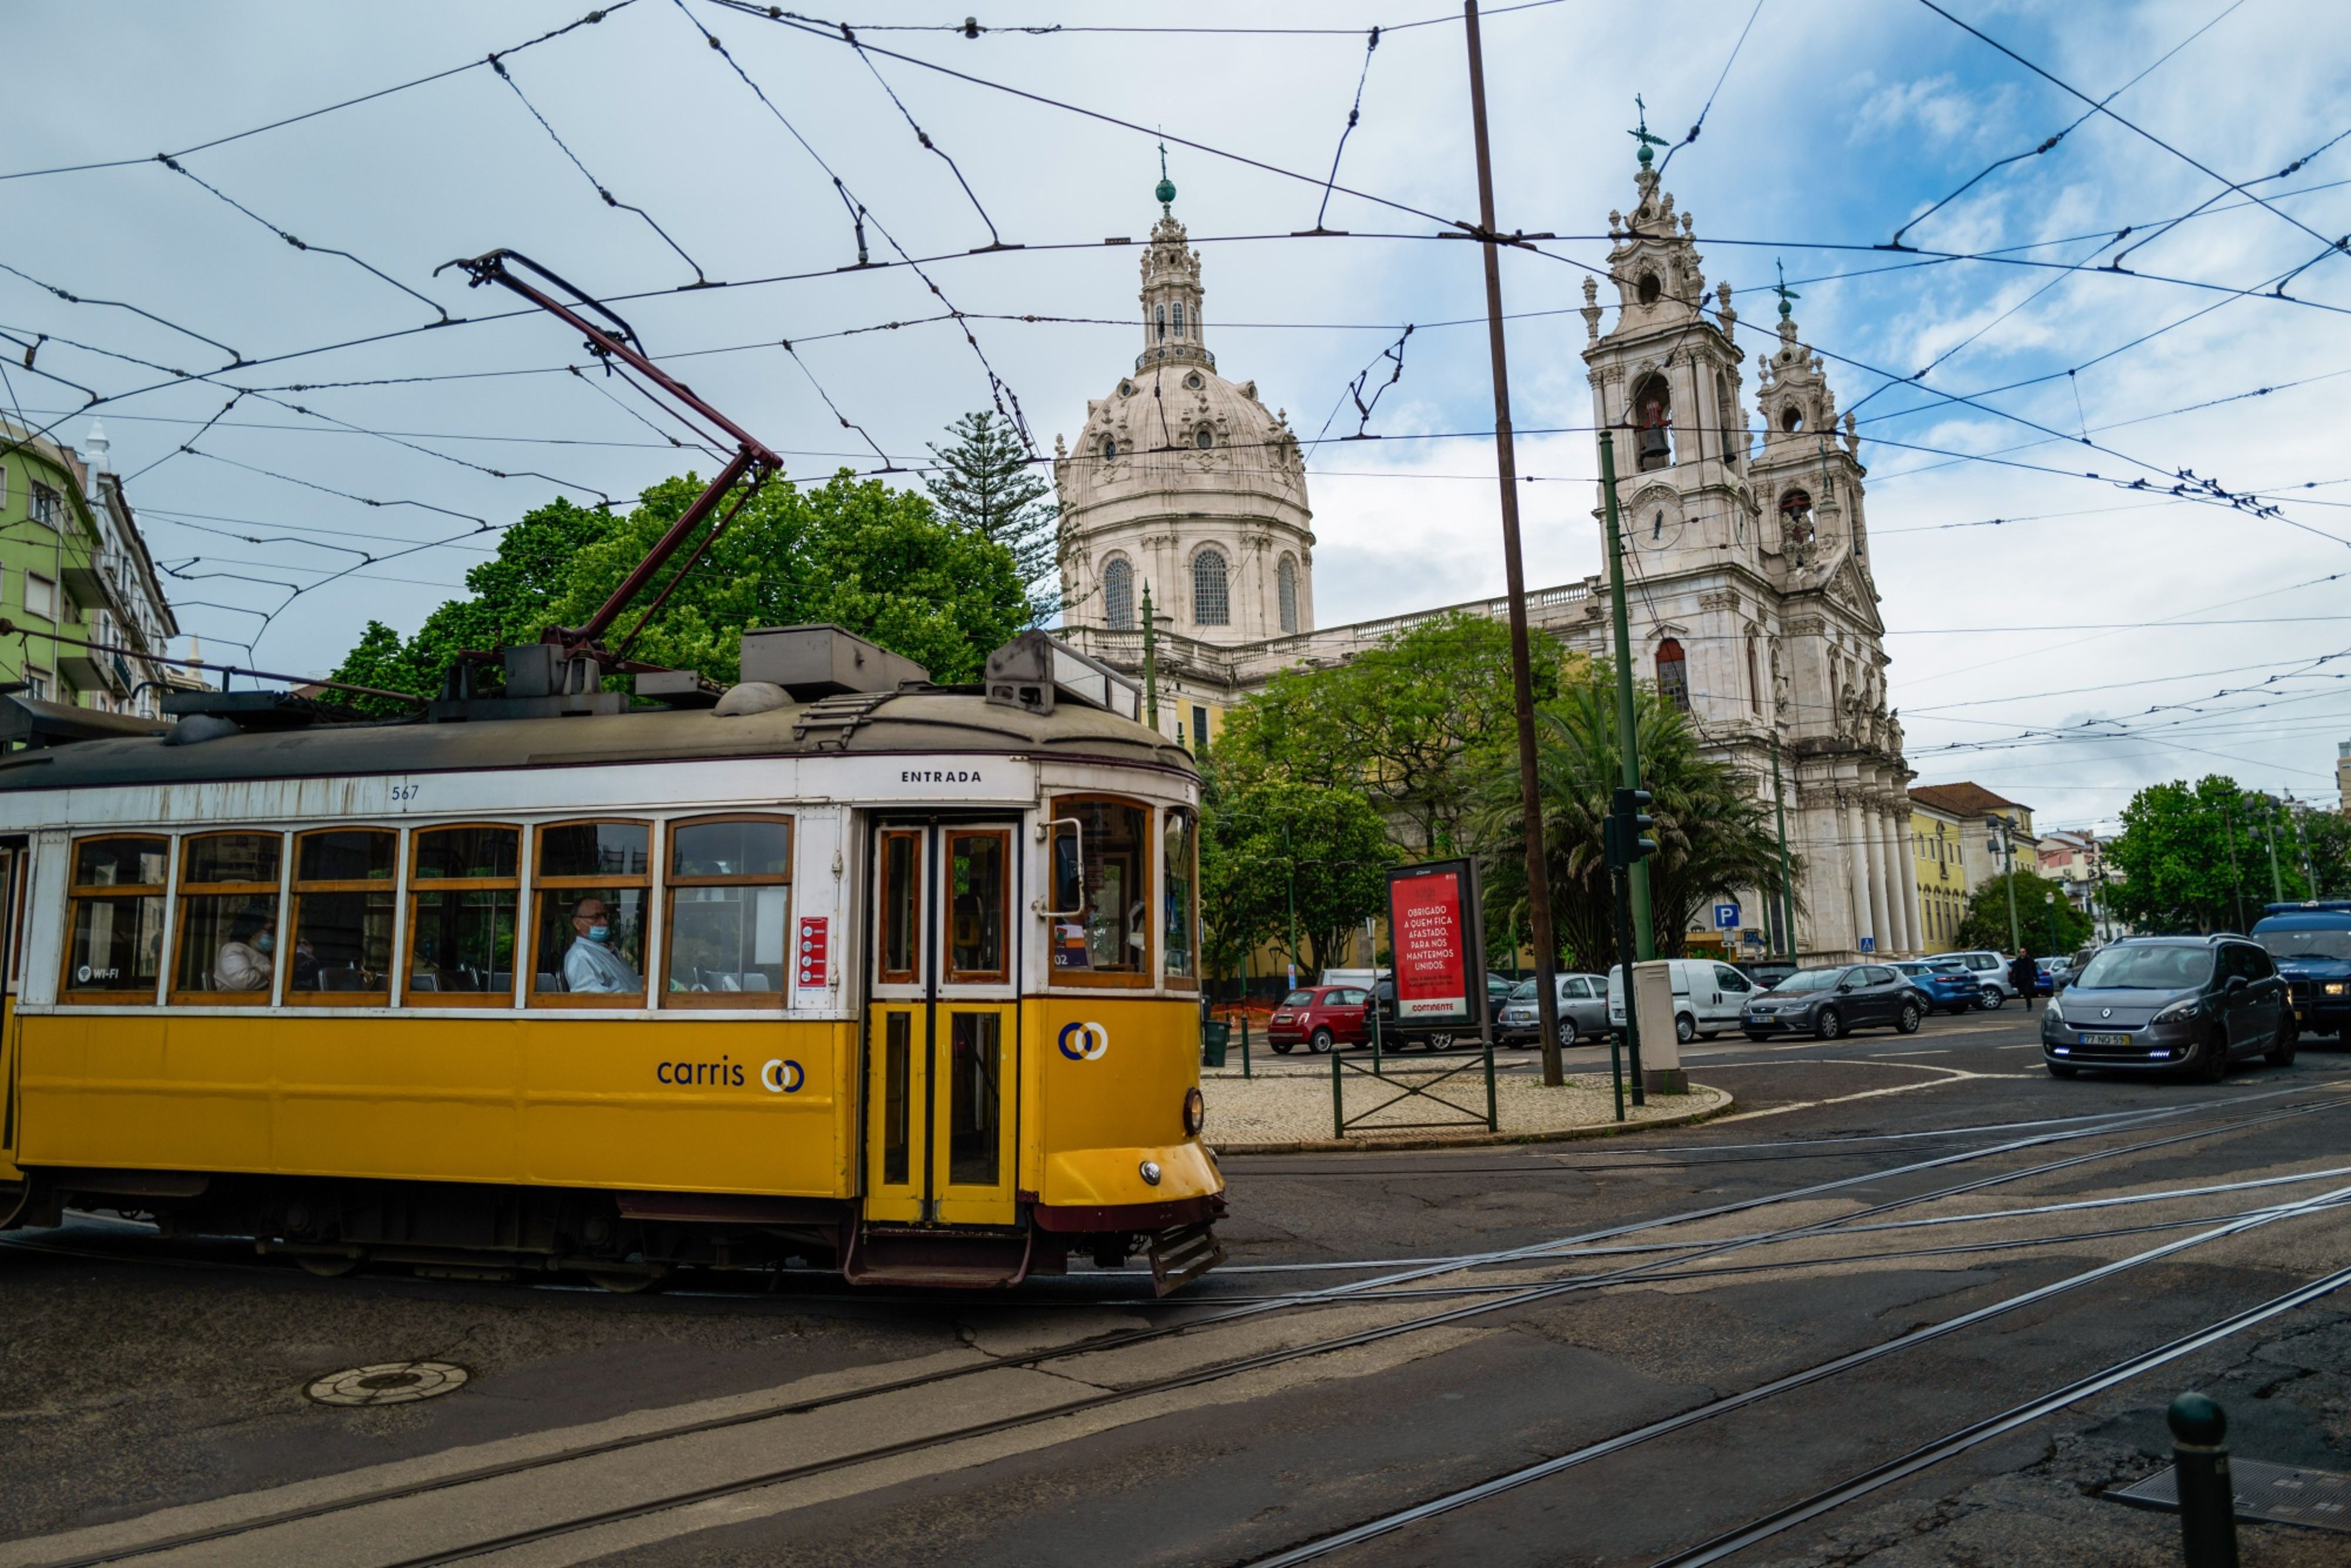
(1354, 115)
(72, 298)
(973, 29)
(701, 279)
(2100, 107)
(590, 18)
(1895, 244)
(1708, 108)
(996, 240)
(176, 167)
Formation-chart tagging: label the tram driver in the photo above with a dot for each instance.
(243, 962)
(590, 965)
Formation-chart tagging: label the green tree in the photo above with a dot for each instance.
(851, 551)
(1714, 830)
(1264, 844)
(2196, 858)
(2045, 922)
(1415, 723)
(989, 482)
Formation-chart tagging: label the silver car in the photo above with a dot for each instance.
(1583, 1011)
(2188, 1005)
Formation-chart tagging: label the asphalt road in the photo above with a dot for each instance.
(1463, 1334)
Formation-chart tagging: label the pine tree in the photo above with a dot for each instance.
(988, 483)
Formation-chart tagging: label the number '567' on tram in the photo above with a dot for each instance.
(841, 967)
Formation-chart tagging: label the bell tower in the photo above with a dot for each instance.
(1171, 290)
(1665, 379)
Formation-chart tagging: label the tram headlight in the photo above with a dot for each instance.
(1195, 1113)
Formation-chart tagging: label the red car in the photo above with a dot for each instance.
(1321, 1016)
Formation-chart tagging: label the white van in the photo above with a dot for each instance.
(1709, 998)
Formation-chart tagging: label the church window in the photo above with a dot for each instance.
(1649, 288)
(1792, 418)
(1118, 595)
(1109, 448)
(1653, 418)
(1285, 591)
(1194, 382)
(1211, 601)
(1796, 516)
(1673, 674)
(1754, 687)
(1126, 389)
(1179, 318)
(1163, 321)
(1204, 438)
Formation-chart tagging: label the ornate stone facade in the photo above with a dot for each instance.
(1746, 561)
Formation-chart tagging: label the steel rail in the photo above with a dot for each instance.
(1505, 1296)
(1511, 1481)
(2009, 1420)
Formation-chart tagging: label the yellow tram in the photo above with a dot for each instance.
(848, 967)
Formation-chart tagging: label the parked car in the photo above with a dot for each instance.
(2184, 1005)
(1583, 1011)
(2311, 944)
(1708, 997)
(1401, 1034)
(1320, 1016)
(1991, 970)
(1941, 987)
(1826, 1003)
(1767, 972)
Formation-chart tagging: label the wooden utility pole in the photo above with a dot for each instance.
(1521, 666)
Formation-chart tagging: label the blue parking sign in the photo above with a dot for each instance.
(1725, 917)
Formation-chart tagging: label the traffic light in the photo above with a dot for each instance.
(1623, 835)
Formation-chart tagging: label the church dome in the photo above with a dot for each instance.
(1184, 482)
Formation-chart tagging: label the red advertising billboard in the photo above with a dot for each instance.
(1433, 930)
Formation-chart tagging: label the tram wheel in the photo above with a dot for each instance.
(626, 1284)
(327, 1265)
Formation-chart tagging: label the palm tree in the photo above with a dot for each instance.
(1713, 830)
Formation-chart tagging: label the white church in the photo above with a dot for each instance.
(1747, 563)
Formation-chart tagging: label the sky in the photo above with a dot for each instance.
(2060, 638)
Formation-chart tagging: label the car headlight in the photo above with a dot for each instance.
(2178, 1012)
(2335, 988)
(2055, 1013)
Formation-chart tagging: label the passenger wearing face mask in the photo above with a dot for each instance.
(244, 962)
(590, 965)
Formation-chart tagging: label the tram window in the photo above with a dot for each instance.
(115, 953)
(978, 890)
(594, 889)
(974, 1139)
(1109, 934)
(1179, 881)
(463, 906)
(897, 1110)
(340, 946)
(729, 912)
(901, 908)
(228, 947)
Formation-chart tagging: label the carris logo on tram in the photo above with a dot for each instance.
(1084, 1041)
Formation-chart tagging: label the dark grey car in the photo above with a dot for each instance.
(1826, 1003)
(2189, 1005)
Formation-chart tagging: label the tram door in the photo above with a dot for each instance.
(942, 1048)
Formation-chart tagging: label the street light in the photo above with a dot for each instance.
(1999, 841)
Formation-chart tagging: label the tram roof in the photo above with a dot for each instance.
(932, 722)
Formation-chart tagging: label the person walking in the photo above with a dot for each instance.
(2024, 975)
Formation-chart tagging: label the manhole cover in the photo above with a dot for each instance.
(388, 1382)
(2270, 1493)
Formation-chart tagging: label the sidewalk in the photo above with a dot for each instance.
(1288, 1110)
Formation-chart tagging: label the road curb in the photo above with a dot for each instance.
(1481, 1140)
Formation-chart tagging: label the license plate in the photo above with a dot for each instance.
(2106, 1040)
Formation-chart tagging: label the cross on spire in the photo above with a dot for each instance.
(1165, 190)
(1783, 291)
(1645, 136)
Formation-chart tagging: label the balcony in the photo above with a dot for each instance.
(1173, 354)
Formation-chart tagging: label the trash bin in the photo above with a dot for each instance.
(1214, 1038)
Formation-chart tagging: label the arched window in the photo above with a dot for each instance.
(1204, 438)
(1163, 321)
(1118, 595)
(1179, 318)
(1649, 289)
(1673, 674)
(1211, 601)
(1285, 592)
(1109, 448)
(1754, 687)
(1796, 516)
(1653, 416)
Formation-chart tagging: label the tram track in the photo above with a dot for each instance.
(1502, 1295)
(1496, 1486)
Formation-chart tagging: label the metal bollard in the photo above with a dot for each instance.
(2207, 1497)
(1244, 1048)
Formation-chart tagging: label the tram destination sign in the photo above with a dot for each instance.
(1434, 929)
